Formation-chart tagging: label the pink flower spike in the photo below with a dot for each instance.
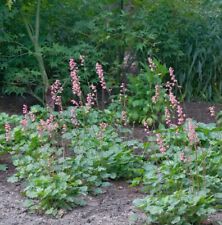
(192, 136)
(172, 76)
(74, 117)
(56, 89)
(99, 71)
(72, 64)
(173, 100)
(74, 78)
(167, 116)
(75, 103)
(89, 100)
(58, 102)
(181, 115)
(182, 157)
(157, 94)
(91, 97)
(24, 122)
(24, 109)
(7, 132)
(151, 64)
(49, 125)
(212, 111)
(159, 141)
(146, 128)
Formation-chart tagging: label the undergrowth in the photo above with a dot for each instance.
(62, 155)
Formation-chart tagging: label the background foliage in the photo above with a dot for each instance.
(183, 34)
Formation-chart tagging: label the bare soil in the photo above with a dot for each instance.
(200, 112)
(114, 207)
(13, 104)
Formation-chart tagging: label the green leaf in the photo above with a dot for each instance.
(13, 179)
(176, 220)
(3, 167)
(31, 194)
(154, 210)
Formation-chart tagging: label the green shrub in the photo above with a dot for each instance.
(183, 34)
(141, 89)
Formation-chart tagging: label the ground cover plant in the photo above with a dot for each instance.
(60, 163)
(62, 154)
(183, 174)
(13, 120)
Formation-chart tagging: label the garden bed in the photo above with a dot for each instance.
(113, 207)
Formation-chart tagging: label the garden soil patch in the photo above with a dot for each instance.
(113, 207)
(13, 104)
(200, 112)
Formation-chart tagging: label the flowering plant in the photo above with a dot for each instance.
(150, 100)
(185, 176)
(62, 154)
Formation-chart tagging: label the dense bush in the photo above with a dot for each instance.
(183, 34)
(147, 96)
